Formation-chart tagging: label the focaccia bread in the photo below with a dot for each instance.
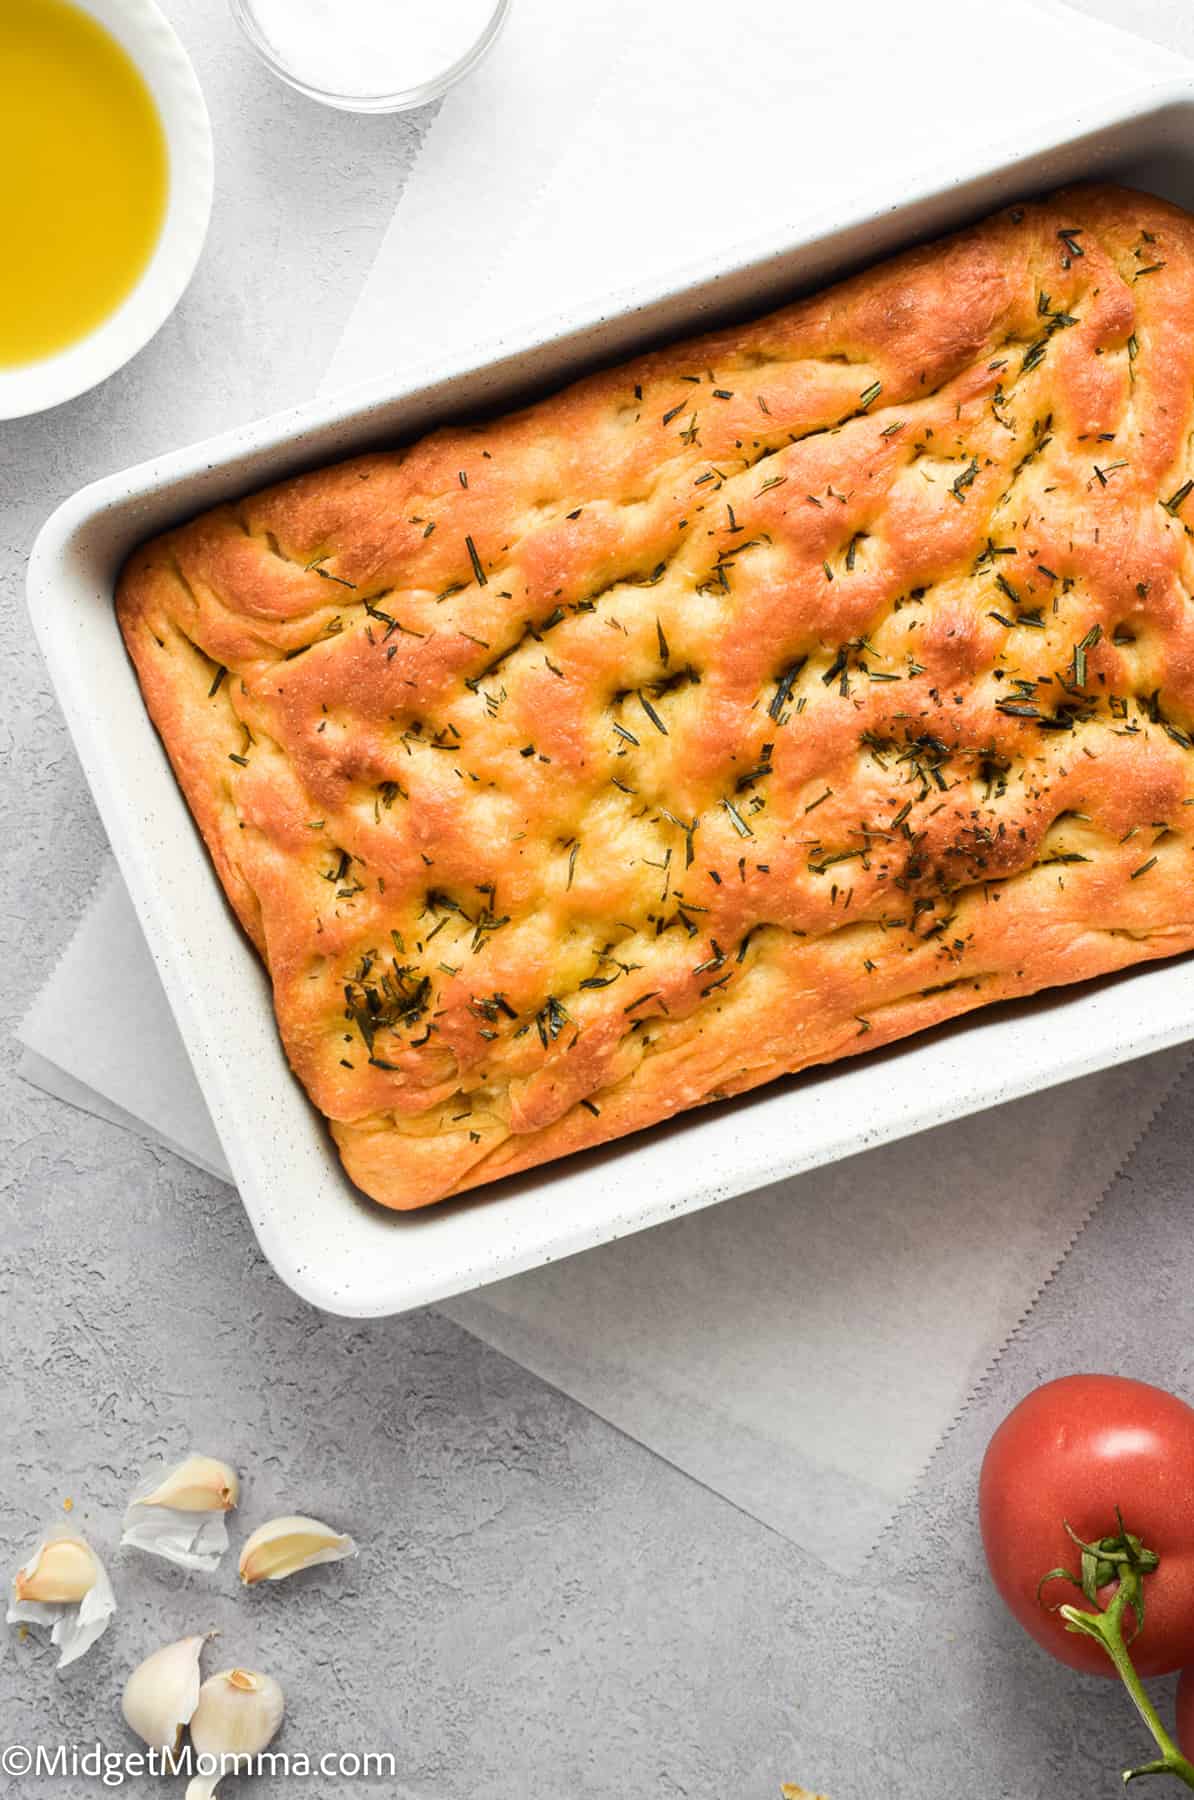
(750, 705)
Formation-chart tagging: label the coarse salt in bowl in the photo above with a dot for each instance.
(371, 55)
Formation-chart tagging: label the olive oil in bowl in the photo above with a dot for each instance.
(84, 175)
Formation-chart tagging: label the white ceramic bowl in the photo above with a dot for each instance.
(149, 40)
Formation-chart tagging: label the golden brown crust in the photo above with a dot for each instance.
(748, 706)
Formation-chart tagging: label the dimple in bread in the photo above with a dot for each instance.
(763, 700)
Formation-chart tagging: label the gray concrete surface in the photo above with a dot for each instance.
(542, 1608)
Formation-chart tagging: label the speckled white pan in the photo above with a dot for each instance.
(331, 1246)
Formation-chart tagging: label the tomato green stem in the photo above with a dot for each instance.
(1127, 1562)
(1107, 1629)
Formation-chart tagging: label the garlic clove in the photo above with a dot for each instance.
(238, 1715)
(162, 1693)
(178, 1513)
(64, 1586)
(61, 1571)
(283, 1546)
(197, 1484)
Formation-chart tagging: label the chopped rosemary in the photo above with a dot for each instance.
(784, 688)
(652, 714)
(966, 479)
(395, 997)
(1078, 665)
(478, 571)
(326, 575)
(1015, 710)
(736, 819)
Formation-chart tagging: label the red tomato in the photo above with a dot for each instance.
(1075, 1450)
(1185, 1714)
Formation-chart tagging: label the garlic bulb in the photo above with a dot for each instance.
(238, 1714)
(178, 1513)
(283, 1546)
(64, 1585)
(162, 1693)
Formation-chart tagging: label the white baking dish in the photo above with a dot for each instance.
(331, 1246)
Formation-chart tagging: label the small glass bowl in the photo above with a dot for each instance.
(398, 100)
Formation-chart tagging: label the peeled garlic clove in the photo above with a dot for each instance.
(197, 1484)
(64, 1585)
(162, 1693)
(282, 1547)
(60, 1572)
(179, 1513)
(238, 1714)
